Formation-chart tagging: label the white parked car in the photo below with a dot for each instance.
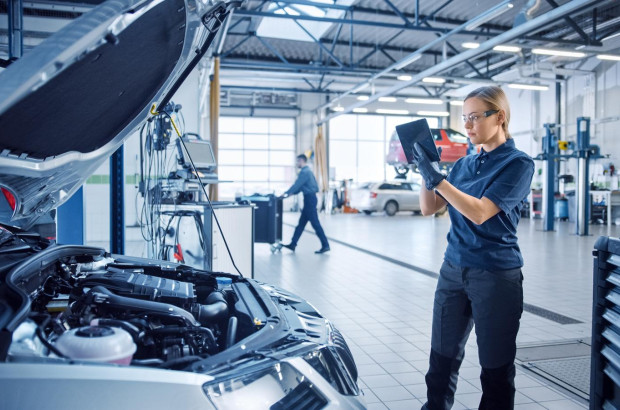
(391, 197)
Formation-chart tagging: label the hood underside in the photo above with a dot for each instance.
(71, 102)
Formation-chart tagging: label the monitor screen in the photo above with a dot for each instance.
(201, 153)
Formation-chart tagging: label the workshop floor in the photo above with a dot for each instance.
(377, 286)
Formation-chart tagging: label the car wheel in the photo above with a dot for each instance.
(368, 212)
(401, 169)
(391, 208)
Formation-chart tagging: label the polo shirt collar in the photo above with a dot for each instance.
(507, 146)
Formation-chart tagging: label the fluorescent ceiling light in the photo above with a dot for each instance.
(360, 109)
(397, 112)
(608, 57)
(489, 15)
(560, 53)
(432, 101)
(507, 49)
(338, 109)
(433, 113)
(433, 80)
(404, 77)
(528, 87)
(470, 45)
(406, 61)
(387, 99)
(457, 103)
(363, 98)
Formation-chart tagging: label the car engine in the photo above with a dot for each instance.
(101, 310)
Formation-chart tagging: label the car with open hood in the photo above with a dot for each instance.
(80, 327)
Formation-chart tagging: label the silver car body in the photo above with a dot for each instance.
(383, 196)
(65, 107)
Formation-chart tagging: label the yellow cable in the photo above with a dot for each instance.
(175, 126)
(169, 116)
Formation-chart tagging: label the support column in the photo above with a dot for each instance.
(16, 29)
(214, 118)
(70, 220)
(549, 182)
(117, 202)
(583, 176)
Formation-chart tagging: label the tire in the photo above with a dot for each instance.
(368, 212)
(401, 170)
(391, 208)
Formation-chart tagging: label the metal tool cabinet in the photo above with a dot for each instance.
(605, 370)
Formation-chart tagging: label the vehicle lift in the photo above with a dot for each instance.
(583, 152)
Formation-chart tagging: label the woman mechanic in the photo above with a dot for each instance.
(480, 281)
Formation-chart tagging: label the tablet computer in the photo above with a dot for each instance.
(417, 131)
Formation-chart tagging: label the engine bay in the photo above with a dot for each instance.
(94, 308)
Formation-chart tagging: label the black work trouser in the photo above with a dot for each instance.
(493, 301)
(309, 214)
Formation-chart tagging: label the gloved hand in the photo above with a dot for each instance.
(284, 195)
(429, 170)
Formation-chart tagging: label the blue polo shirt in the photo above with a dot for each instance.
(504, 176)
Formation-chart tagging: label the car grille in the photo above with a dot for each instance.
(302, 397)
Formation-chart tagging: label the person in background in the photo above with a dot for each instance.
(306, 184)
(480, 281)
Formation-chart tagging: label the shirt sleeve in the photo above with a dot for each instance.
(512, 185)
(302, 179)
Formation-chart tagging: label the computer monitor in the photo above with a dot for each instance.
(201, 153)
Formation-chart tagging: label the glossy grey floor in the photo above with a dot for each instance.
(384, 307)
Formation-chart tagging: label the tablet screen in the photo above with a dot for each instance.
(417, 131)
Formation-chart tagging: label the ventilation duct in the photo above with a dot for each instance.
(527, 13)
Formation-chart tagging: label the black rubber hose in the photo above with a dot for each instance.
(41, 335)
(154, 308)
(131, 329)
(215, 308)
(231, 334)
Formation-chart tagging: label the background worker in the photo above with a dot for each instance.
(306, 184)
(480, 280)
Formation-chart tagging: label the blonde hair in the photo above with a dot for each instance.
(496, 99)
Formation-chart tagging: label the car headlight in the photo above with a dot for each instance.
(277, 387)
(333, 367)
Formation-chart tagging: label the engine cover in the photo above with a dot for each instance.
(134, 283)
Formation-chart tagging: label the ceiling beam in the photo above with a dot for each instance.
(529, 26)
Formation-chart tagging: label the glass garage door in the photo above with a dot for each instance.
(256, 154)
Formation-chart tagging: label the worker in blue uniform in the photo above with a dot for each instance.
(480, 281)
(306, 184)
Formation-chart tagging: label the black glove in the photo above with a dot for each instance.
(429, 170)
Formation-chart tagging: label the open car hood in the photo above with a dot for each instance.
(68, 104)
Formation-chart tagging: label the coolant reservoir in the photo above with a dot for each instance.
(97, 343)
